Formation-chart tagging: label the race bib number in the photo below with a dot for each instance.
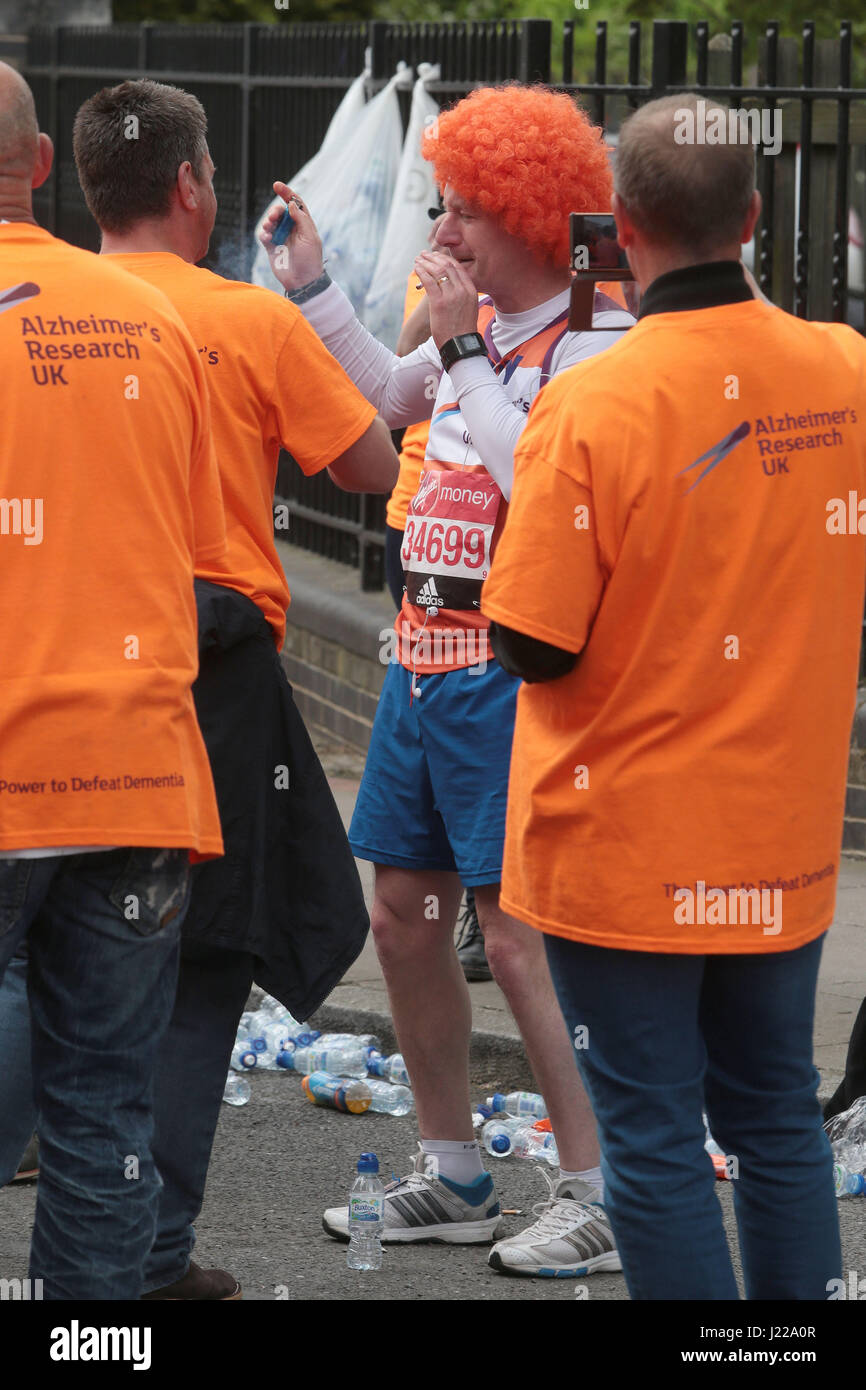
(448, 539)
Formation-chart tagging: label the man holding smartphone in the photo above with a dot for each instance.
(430, 812)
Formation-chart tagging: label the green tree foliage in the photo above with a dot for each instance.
(235, 11)
(755, 14)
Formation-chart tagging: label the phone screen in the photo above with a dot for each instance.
(595, 250)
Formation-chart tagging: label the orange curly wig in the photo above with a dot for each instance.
(527, 157)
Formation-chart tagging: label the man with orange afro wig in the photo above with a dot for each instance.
(512, 162)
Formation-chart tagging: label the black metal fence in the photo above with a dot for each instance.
(271, 90)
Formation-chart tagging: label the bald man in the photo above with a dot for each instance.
(100, 803)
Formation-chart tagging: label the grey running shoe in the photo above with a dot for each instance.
(470, 944)
(424, 1207)
(571, 1237)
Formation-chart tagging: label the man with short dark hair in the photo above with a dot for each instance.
(105, 788)
(285, 904)
(676, 793)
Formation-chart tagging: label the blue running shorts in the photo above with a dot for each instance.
(435, 785)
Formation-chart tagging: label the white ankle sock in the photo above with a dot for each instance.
(590, 1175)
(457, 1159)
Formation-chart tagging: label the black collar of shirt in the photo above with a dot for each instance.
(696, 287)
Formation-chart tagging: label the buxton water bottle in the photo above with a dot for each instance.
(366, 1216)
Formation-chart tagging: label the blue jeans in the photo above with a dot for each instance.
(670, 1035)
(101, 932)
(192, 1060)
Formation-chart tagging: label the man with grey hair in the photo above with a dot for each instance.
(105, 786)
(676, 793)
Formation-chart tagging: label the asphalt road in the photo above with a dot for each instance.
(279, 1161)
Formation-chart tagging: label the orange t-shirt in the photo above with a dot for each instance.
(272, 382)
(414, 444)
(109, 495)
(671, 521)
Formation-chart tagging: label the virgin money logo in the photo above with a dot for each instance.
(428, 491)
(17, 295)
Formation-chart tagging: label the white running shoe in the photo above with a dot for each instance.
(422, 1207)
(571, 1237)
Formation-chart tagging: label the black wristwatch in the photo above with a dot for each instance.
(464, 345)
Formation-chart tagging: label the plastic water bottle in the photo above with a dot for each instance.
(848, 1184)
(364, 1040)
(397, 1073)
(243, 1057)
(344, 1093)
(497, 1135)
(366, 1216)
(388, 1099)
(237, 1090)
(519, 1103)
(340, 1061)
(377, 1064)
(533, 1143)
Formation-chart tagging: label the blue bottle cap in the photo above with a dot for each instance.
(258, 1044)
(500, 1143)
(498, 1101)
(248, 1059)
(484, 1110)
(368, 1163)
(285, 1059)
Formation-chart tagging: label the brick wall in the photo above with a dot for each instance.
(854, 834)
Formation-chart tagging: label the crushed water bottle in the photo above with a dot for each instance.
(344, 1093)
(388, 1099)
(511, 1134)
(848, 1184)
(519, 1103)
(237, 1090)
(847, 1134)
(530, 1142)
(366, 1216)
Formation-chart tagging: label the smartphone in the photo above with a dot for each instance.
(595, 252)
(283, 229)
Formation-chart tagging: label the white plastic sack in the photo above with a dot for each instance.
(350, 192)
(342, 123)
(408, 224)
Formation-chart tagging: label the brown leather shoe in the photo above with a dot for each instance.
(28, 1168)
(199, 1285)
